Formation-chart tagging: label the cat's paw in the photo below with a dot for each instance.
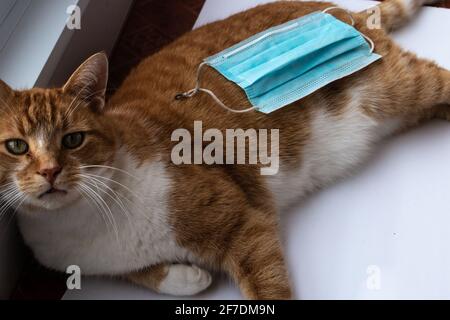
(184, 280)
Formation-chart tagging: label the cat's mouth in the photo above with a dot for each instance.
(52, 190)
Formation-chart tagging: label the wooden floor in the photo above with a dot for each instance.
(151, 25)
(444, 4)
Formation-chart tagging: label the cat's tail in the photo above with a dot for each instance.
(396, 13)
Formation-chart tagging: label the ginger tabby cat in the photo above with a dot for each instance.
(95, 186)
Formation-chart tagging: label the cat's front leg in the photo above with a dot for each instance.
(173, 279)
(255, 260)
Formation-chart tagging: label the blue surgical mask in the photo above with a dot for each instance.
(288, 62)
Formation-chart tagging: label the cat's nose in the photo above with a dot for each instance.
(50, 173)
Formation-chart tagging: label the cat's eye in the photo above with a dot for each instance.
(16, 147)
(73, 140)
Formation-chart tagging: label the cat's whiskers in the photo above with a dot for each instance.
(6, 186)
(103, 203)
(92, 200)
(22, 200)
(8, 191)
(69, 113)
(115, 196)
(8, 195)
(6, 203)
(101, 209)
(72, 103)
(117, 183)
(137, 206)
(10, 200)
(106, 208)
(108, 167)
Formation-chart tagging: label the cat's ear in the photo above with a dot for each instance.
(5, 91)
(89, 81)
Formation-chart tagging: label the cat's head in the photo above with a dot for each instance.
(48, 135)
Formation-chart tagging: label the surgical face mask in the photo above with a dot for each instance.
(288, 62)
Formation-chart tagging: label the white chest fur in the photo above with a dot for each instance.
(79, 235)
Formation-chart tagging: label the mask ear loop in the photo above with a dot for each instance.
(372, 44)
(342, 9)
(194, 91)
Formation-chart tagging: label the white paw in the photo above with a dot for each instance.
(184, 280)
